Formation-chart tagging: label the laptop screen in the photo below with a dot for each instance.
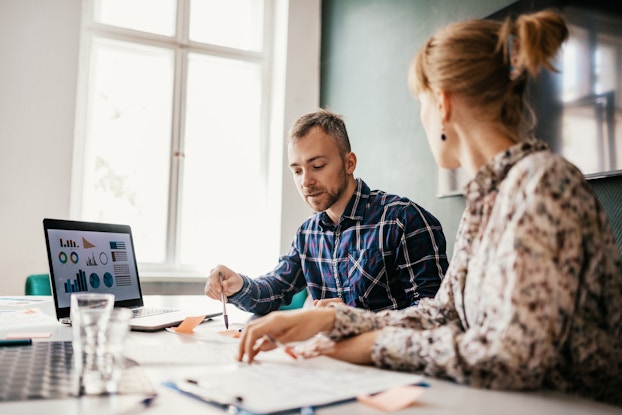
(91, 257)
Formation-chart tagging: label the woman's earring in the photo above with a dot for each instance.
(443, 136)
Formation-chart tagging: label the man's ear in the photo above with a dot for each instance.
(443, 100)
(350, 162)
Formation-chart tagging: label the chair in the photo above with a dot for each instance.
(38, 284)
(297, 301)
(607, 190)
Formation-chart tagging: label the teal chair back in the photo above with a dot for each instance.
(297, 301)
(38, 284)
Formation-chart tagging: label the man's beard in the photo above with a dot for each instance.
(328, 198)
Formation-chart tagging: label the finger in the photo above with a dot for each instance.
(248, 344)
(251, 351)
(241, 351)
(246, 341)
(210, 291)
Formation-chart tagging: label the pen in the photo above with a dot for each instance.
(224, 301)
(16, 342)
(280, 345)
(140, 405)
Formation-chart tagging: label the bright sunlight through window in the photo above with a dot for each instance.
(173, 130)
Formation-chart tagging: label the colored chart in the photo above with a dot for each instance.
(77, 285)
(62, 257)
(108, 280)
(87, 244)
(90, 261)
(68, 244)
(117, 245)
(94, 280)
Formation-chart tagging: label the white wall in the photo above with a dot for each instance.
(296, 91)
(39, 45)
(38, 71)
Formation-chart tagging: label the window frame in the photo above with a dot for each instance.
(181, 46)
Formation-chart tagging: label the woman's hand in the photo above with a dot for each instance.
(356, 349)
(284, 326)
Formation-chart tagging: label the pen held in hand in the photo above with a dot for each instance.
(224, 301)
(282, 346)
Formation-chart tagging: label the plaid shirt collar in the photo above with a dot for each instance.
(354, 211)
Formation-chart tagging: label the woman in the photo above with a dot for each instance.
(533, 296)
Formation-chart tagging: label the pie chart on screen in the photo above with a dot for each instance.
(94, 280)
(108, 280)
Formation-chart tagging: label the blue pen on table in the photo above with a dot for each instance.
(224, 301)
(15, 342)
(140, 405)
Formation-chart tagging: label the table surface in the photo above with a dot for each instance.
(442, 397)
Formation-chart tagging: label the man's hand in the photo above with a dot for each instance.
(231, 282)
(326, 301)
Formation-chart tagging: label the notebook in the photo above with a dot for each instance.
(100, 258)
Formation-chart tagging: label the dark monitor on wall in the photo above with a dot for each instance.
(579, 108)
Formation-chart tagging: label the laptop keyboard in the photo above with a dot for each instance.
(150, 311)
(44, 370)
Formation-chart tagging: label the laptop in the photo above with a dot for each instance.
(100, 258)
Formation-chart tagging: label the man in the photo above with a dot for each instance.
(364, 248)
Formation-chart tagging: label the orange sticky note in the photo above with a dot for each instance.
(392, 399)
(187, 326)
(231, 333)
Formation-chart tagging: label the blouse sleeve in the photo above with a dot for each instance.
(430, 313)
(532, 260)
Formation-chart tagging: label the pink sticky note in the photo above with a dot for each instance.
(187, 326)
(393, 399)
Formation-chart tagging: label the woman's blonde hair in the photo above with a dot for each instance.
(488, 63)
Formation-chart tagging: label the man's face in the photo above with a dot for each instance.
(318, 169)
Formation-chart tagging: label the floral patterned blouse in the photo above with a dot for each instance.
(532, 297)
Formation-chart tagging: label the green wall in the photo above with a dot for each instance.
(367, 46)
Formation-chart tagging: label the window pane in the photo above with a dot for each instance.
(223, 195)
(232, 23)
(153, 16)
(128, 136)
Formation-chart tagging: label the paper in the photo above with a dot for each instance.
(13, 302)
(393, 399)
(292, 384)
(198, 353)
(24, 317)
(213, 333)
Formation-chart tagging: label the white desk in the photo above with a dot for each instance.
(441, 398)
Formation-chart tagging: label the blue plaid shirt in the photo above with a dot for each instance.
(386, 252)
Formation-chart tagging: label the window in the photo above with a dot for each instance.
(172, 130)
